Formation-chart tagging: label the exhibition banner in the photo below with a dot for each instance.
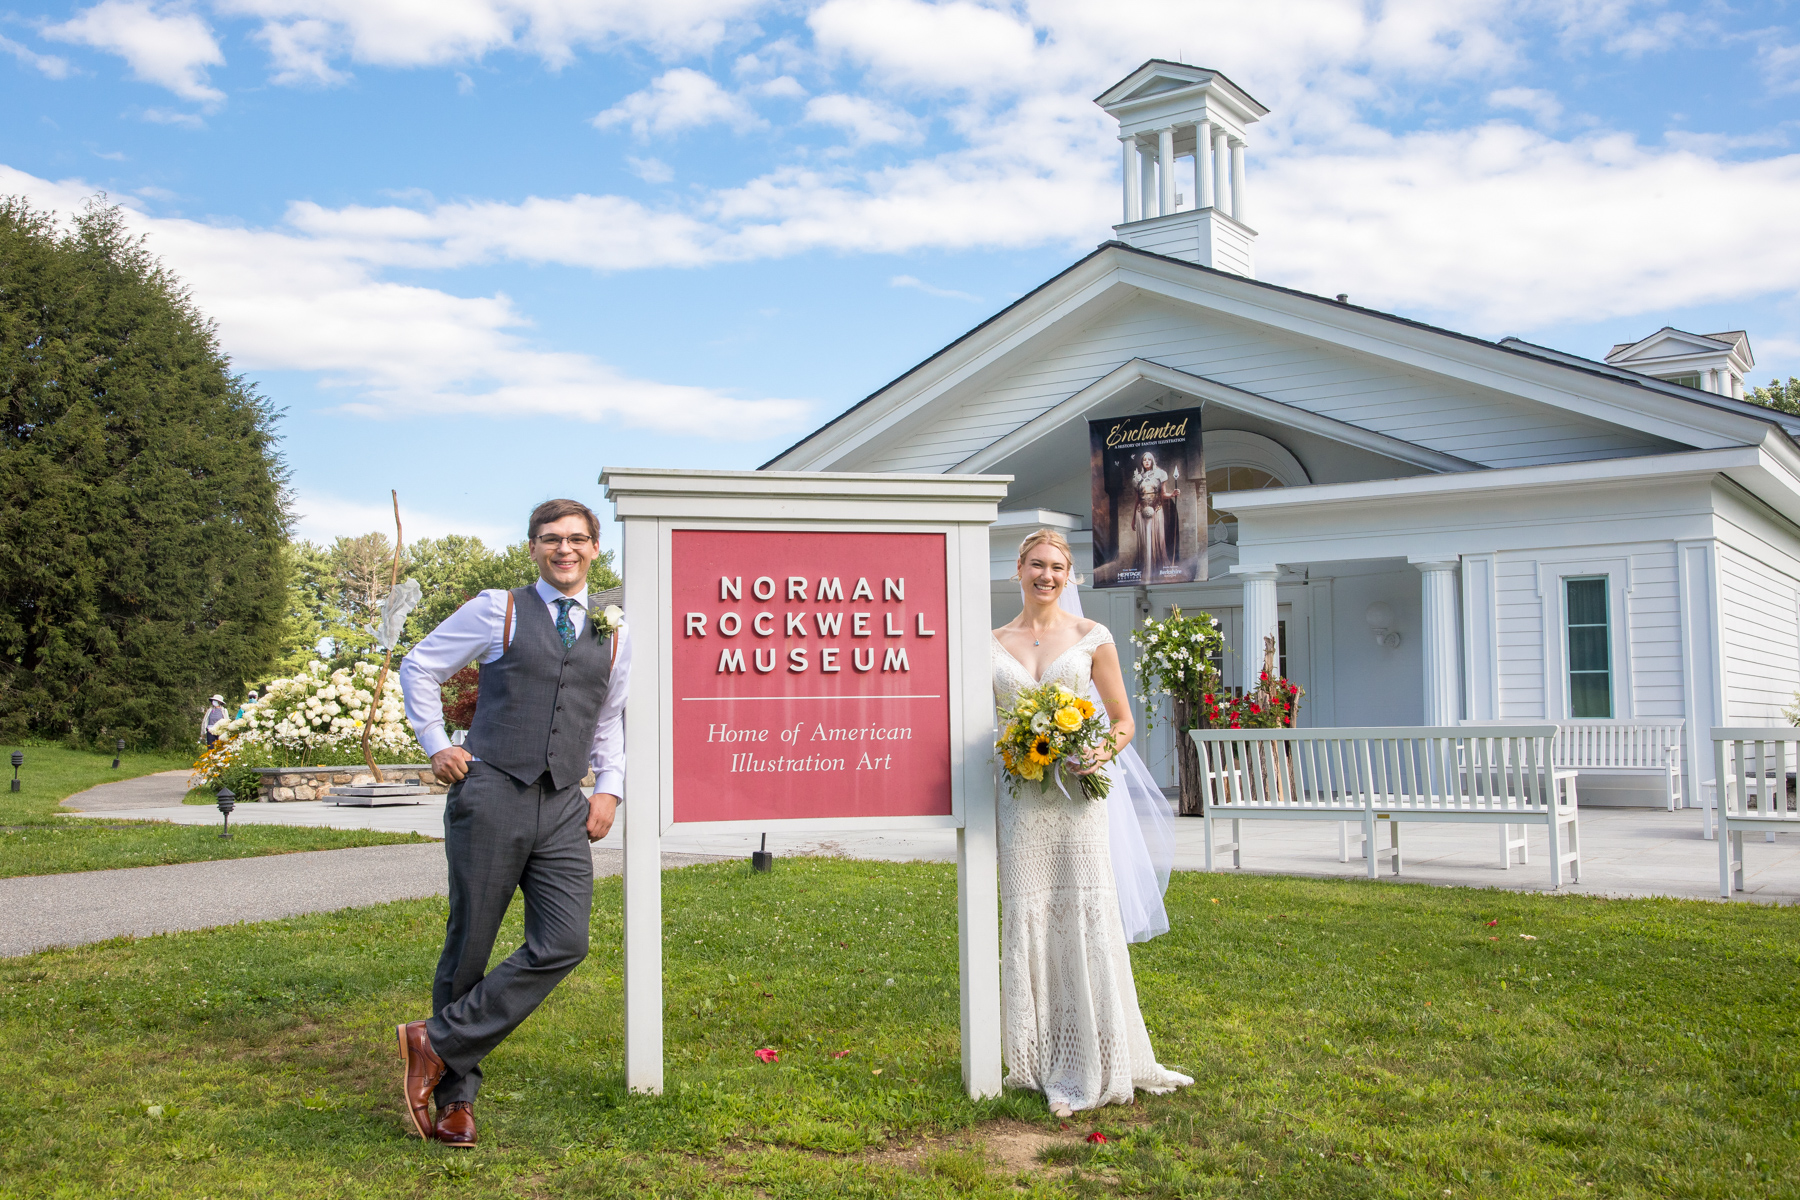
(1149, 499)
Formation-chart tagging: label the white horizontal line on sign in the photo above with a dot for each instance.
(748, 698)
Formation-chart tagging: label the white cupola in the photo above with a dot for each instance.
(1712, 362)
(1183, 133)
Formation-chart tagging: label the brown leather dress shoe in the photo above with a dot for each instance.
(423, 1070)
(456, 1124)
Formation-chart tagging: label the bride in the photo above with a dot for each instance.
(1073, 1030)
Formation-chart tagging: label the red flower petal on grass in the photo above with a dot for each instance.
(841, 1054)
(1493, 923)
(1097, 1137)
(769, 1056)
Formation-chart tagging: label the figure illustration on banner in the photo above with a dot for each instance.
(1149, 499)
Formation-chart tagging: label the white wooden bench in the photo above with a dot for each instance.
(1619, 747)
(1624, 748)
(1500, 775)
(1758, 768)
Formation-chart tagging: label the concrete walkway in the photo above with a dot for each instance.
(1625, 851)
(146, 791)
(92, 906)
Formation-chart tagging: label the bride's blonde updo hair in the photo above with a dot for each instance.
(1050, 537)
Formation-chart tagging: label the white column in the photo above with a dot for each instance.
(1147, 183)
(1130, 172)
(1240, 211)
(1440, 640)
(1221, 156)
(1203, 165)
(642, 835)
(1260, 618)
(1165, 165)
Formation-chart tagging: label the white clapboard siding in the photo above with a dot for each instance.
(1480, 425)
(1760, 640)
(1519, 637)
(1655, 604)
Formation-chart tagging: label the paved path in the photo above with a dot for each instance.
(92, 906)
(1625, 851)
(146, 791)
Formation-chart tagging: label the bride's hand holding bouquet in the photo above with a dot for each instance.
(1049, 730)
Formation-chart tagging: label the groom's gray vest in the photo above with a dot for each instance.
(540, 700)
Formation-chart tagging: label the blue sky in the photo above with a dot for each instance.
(480, 249)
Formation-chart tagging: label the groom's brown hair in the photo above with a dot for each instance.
(556, 510)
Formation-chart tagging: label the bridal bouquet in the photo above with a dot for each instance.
(1049, 730)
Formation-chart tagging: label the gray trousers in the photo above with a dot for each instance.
(500, 834)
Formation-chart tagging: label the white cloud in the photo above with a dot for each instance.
(1780, 67)
(404, 33)
(955, 46)
(47, 64)
(866, 121)
(676, 100)
(322, 517)
(168, 45)
(1543, 107)
(290, 301)
(302, 51)
(650, 170)
(172, 116)
(1502, 228)
(782, 87)
(908, 281)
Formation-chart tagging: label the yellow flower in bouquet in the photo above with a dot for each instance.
(1049, 730)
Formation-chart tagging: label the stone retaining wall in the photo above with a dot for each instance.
(282, 784)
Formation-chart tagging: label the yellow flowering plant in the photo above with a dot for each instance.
(1048, 731)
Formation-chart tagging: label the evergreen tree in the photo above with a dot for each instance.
(141, 496)
(1783, 397)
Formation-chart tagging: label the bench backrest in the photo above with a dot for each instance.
(1408, 769)
(1623, 745)
(1759, 767)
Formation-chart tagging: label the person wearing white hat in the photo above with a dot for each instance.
(215, 715)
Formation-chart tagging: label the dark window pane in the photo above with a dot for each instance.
(1587, 602)
(1590, 695)
(1587, 649)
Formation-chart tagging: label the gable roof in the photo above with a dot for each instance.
(1533, 373)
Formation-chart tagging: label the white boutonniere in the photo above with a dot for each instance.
(607, 620)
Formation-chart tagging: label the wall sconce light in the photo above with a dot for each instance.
(1380, 617)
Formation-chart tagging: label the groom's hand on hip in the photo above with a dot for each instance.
(451, 763)
(601, 807)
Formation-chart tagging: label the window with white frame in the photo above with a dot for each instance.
(1589, 646)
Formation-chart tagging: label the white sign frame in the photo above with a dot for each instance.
(651, 505)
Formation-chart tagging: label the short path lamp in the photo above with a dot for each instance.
(18, 761)
(762, 860)
(118, 753)
(227, 802)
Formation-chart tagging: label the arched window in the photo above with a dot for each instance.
(1221, 527)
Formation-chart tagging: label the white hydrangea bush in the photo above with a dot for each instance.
(314, 711)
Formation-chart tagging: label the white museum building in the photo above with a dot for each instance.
(1439, 528)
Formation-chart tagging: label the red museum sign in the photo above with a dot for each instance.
(811, 675)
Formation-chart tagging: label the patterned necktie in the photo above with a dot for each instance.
(565, 626)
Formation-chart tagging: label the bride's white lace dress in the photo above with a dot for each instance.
(1073, 1030)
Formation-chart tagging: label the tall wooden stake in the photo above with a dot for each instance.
(375, 701)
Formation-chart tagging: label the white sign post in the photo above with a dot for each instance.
(811, 652)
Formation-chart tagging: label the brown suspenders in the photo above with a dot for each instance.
(507, 626)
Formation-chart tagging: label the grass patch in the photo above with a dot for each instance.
(52, 774)
(35, 839)
(1350, 1040)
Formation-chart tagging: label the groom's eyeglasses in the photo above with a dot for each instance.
(580, 541)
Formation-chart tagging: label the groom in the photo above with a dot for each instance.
(551, 703)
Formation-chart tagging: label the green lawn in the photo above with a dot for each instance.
(1350, 1040)
(35, 839)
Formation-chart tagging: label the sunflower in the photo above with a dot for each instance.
(1006, 756)
(1040, 751)
(1086, 707)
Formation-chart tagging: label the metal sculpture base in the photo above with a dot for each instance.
(378, 795)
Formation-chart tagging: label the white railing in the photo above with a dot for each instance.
(1757, 769)
(1501, 775)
